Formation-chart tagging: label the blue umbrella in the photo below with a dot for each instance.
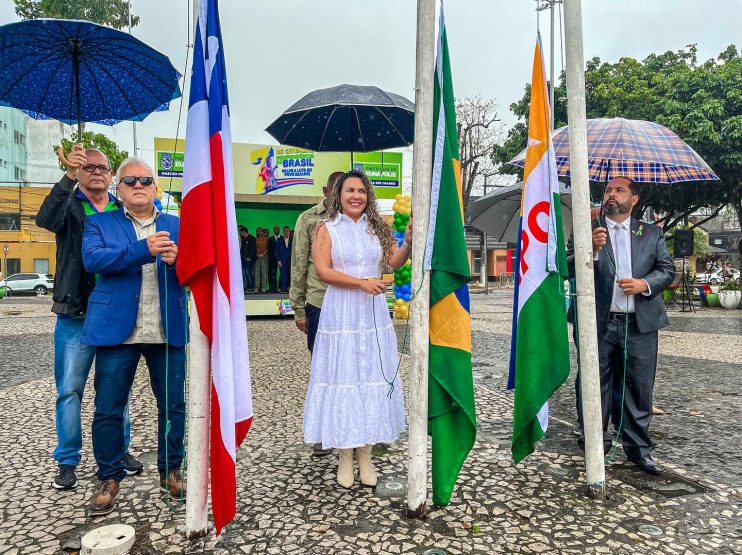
(77, 71)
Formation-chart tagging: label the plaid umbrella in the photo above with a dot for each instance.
(643, 151)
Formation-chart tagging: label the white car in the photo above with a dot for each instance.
(39, 284)
(715, 277)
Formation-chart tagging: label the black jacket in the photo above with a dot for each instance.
(248, 248)
(272, 247)
(63, 213)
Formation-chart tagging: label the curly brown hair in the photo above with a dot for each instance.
(376, 224)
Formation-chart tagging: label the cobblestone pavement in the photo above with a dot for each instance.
(288, 501)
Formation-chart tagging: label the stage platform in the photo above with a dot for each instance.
(268, 304)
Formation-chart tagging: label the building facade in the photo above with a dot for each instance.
(28, 169)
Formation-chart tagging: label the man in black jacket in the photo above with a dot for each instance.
(248, 251)
(272, 259)
(63, 212)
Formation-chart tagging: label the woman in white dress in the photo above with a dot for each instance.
(355, 395)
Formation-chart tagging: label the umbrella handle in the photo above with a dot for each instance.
(62, 158)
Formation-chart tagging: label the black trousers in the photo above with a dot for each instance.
(272, 269)
(641, 367)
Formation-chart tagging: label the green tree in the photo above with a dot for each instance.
(99, 141)
(113, 13)
(702, 103)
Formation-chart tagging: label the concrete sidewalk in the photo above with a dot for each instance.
(288, 501)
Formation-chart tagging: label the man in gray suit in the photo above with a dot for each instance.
(632, 268)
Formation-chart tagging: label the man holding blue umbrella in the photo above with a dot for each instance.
(83, 190)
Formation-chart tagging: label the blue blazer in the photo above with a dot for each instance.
(283, 253)
(110, 249)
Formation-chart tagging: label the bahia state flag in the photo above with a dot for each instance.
(539, 355)
(452, 422)
(209, 260)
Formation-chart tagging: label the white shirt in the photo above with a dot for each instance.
(620, 302)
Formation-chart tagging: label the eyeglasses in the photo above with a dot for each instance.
(131, 180)
(102, 168)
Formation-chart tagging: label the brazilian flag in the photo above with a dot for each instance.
(452, 421)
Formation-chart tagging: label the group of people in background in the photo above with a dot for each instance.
(266, 259)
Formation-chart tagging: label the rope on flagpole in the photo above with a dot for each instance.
(168, 424)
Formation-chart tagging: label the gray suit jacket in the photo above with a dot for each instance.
(650, 261)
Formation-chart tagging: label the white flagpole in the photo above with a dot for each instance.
(582, 229)
(417, 476)
(198, 429)
(199, 385)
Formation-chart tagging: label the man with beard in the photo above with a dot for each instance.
(632, 267)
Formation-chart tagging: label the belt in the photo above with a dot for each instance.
(621, 316)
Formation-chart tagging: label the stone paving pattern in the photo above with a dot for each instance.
(288, 501)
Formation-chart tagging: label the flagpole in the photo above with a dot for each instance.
(199, 384)
(198, 429)
(417, 476)
(582, 230)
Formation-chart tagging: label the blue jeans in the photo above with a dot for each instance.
(72, 362)
(247, 274)
(114, 373)
(312, 313)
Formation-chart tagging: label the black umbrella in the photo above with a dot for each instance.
(347, 118)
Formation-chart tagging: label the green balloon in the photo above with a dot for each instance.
(406, 217)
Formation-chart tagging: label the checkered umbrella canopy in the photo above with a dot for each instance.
(643, 151)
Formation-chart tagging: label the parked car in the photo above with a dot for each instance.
(38, 284)
(715, 277)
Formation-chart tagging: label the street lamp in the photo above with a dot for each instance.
(542, 5)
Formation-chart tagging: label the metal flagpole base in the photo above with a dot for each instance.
(596, 491)
(420, 513)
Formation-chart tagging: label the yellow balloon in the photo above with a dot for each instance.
(398, 197)
(408, 199)
(399, 302)
(397, 207)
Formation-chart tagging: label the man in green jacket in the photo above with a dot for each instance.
(307, 291)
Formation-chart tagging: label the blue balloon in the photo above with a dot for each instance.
(407, 297)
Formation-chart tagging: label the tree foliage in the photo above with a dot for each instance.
(701, 102)
(99, 141)
(113, 13)
(478, 129)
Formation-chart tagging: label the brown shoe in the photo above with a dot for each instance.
(104, 498)
(175, 485)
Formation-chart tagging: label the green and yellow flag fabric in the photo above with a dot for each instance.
(452, 421)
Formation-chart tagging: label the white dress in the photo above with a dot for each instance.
(348, 403)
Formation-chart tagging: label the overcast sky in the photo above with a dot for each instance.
(278, 50)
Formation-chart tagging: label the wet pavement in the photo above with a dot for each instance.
(288, 501)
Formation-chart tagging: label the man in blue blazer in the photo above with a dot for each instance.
(284, 244)
(137, 309)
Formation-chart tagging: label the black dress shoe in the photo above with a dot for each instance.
(648, 465)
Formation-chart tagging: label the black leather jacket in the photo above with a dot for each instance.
(63, 213)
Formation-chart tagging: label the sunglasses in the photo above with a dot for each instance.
(102, 168)
(131, 180)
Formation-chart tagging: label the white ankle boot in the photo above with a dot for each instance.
(365, 466)
(345, 468)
